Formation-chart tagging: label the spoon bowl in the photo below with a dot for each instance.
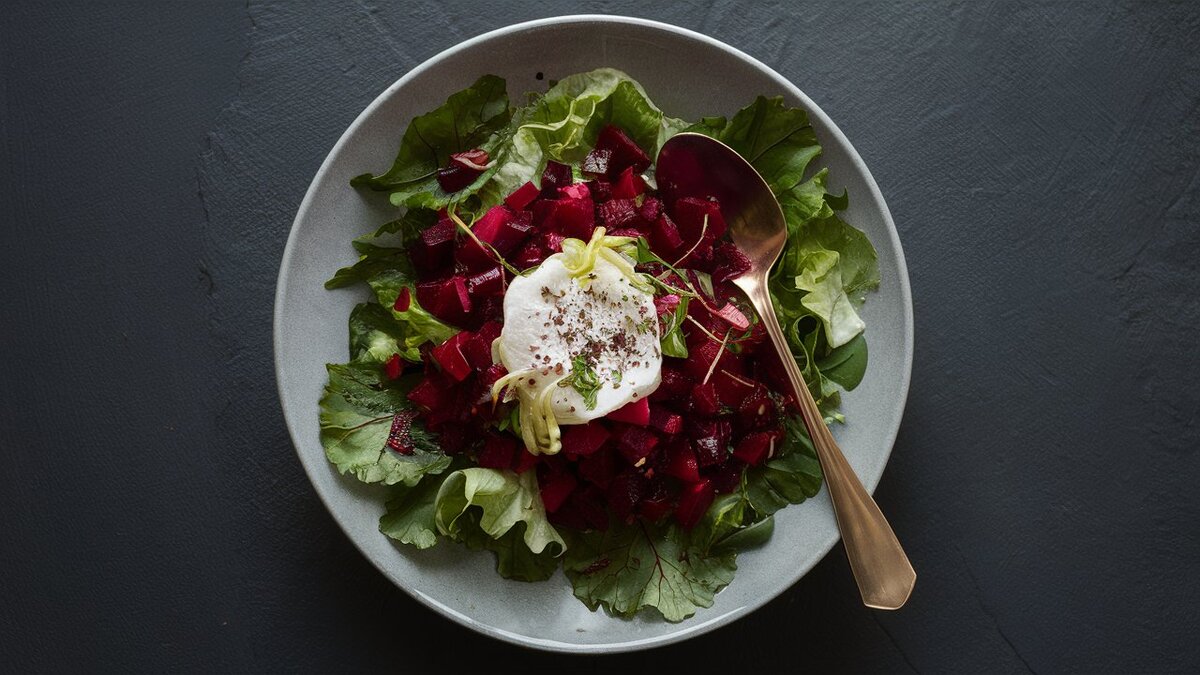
(694, 165)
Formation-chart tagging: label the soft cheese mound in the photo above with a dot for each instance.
(556, 325)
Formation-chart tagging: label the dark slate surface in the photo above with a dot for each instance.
(1042, 162)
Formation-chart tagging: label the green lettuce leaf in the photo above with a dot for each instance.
(357, 413)
(475, 117)
(827, 264)
(826, 267)
(775, 138)
(821, 278)
(514, 560)
(420, 325)
(630, 567)
(563, 124)
(374, 258)
(500, 511)
(410, 513)
(388, 271)
(375, 334)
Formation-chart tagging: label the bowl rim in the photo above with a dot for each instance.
(687, 630)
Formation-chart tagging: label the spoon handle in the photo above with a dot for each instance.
(884, 575)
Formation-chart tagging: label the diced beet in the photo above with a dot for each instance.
(456, 177)
(498, 451)
(624, 232)
(453, 439)
(555, 175)
(617, 213)
(557, 487)
(601, 190)
(599, 468)
(713, 326)
(596, 161)
(393, 367)
(725, 432)
(628, 185)
(694, 500)
(650, 209)
(636, 412)
(624, 152)
(730, 262)
(457, 300)
(690, 213)
(656, 509)
(449, 411)
(462, 170)
(752, 449)
(568, 516)
(572, 218)
(710, 451)
(699, 257)
(727, 477)
(624, 493)
(489, 375)
(488, 282)
(525, 461)
(552, 241)
(430, 394)
(664, 236)
(732, 389)
(681, 461)
(757, 337)
(403, 300)
(581, 440)
(530, 255)
(522, 196)
(446, 299)
(503, 228)
(450, 357)
(674, 385)
(635, 444)
(700, 360)
(470, 254)
(665, 421)
(757, 411)
(576, 191)
(429, 293)
(491, 308)
(478, 352)
(489, 331)
(705, 400)
(734, 317)
(487, 228)
(514, 231)
(431, 252)
(590, 502)
(657, 503)
(543, 209)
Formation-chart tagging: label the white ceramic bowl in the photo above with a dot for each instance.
(688, 75)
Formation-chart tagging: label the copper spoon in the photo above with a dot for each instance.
(694, 165)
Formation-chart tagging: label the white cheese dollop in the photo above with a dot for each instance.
(552, 321)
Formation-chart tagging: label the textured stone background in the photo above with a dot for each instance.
(1042, 162)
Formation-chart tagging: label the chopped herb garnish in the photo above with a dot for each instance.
(584, 380)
